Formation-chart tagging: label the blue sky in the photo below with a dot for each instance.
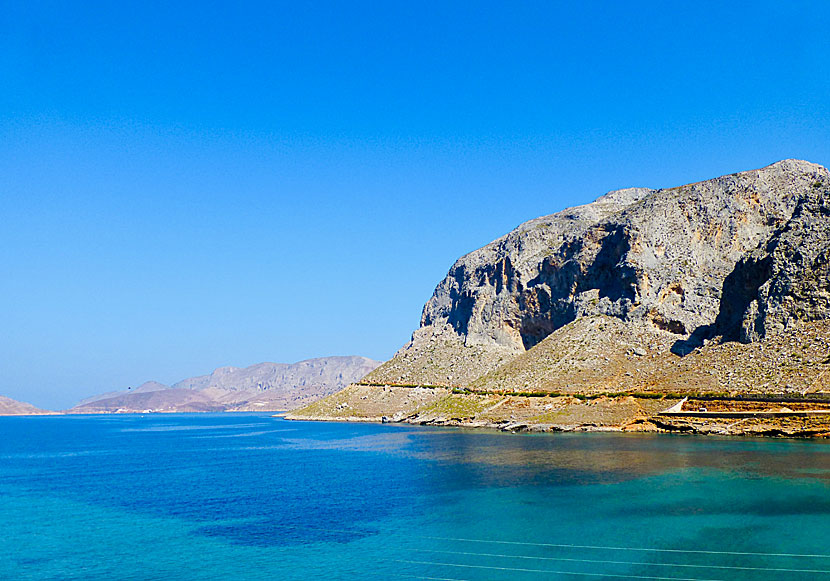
(188, 185)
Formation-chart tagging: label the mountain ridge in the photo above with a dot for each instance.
(259, 387)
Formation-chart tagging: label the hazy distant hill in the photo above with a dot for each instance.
(264, 386)
(11, 407)
(164, 400)
(147, 386)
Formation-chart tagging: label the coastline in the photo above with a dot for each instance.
(534, 414)
(658, 413)
(653, 425)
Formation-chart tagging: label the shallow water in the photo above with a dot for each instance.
(248, 497)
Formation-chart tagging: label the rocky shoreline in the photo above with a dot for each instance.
(435, 406)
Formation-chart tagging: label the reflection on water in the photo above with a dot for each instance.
(253, 497)
(605, 455)
(169, 427)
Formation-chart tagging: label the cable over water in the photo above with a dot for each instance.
(523, 570)
(610, 562)
(644, 549)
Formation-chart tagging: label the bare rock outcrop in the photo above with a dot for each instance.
(659, 259)
(786, 281)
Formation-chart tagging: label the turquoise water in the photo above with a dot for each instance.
(250, 497)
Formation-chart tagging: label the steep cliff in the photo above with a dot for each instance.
(789, 278)
(658, 259)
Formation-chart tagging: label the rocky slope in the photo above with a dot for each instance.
(261, 387)
(11, 407)
(701, 288)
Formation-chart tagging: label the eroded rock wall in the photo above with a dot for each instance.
(793, 271)
(660, 258)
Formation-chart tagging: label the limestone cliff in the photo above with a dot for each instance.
(789, 278)
(659, 260)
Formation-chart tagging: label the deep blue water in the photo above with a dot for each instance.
(250, 497)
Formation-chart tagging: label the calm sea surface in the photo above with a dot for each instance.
(247, 496)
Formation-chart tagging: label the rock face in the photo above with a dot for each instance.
(712, 295)
(264, 387)
(738, 255)
(11, 407)
(789, 279)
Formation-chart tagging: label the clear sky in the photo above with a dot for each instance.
(185, 185)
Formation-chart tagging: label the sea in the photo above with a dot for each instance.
(254, 497)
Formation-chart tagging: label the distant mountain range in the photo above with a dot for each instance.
(260, 387)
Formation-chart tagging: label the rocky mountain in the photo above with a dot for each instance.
(659, 258)
(261, 387)
(11, 407)
(648, 291)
